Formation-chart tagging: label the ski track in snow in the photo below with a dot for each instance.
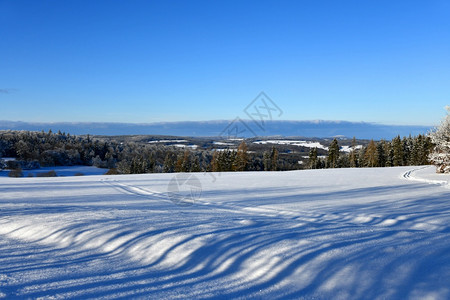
(315, 234)
(411, 175)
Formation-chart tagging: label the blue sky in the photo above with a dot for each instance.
(151, 61)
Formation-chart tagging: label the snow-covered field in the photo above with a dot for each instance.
(315, 234)
(307, 144)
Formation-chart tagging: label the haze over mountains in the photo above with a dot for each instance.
(233, 129)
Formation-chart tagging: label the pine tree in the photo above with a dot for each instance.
(397, 147)
(344, 161)
(313, 158)
(215, 162)
(267, 161)
(428, 148)
(440, 156)
(407, 150)
(417, 151)
(353, 158)
(371, 155)
(274, 159)
(195, 165)
(186, 163)
(381, 155)
(389, 151)
(333, 154)
(169, 162)
(179, 164)
(241, 161)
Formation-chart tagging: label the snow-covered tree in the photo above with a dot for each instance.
(441, 138)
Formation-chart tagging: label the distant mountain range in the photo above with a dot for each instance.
(237, 128)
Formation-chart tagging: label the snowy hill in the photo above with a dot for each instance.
(336, 233)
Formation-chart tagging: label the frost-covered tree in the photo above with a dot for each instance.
(169, 162)
(440, 156)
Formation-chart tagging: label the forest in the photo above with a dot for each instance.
(31, 150)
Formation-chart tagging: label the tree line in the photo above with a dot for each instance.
(406, 151)
(48, 149)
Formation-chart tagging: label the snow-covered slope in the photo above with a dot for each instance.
(325, 234)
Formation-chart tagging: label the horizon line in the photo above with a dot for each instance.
(212, 121)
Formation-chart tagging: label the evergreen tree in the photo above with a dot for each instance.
(353, 158)
(195, 166)
(371, 158)
(186, 162)
(333, 154)
(214, 166)
(241, 161)
(407, 149)
(389, 150)
(313, 158)
(169, 163)
(417, 151)
(179, 163)
(344, 161)
(421, 149)
(274, 159)
(397, 147)
(267, 161)
(381, 155)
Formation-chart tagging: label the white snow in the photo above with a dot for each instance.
(226, 149)
(319, 156)
(381, 233)
(307, 144)
(167, 141)
(185, 146)
(349, 149)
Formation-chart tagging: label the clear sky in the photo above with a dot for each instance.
(151, 61)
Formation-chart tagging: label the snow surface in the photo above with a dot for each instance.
(307, 144)
(168, 141)
(185, 146)
(223, 144)
(349, 149)
(381, 233)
